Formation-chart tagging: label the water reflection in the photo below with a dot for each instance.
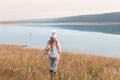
(71, 40)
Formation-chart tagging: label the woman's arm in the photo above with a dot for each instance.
(59, 48)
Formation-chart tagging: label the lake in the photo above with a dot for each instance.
(93, 39)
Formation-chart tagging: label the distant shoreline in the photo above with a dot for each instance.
(64, 23)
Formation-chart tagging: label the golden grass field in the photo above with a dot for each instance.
(23, 63)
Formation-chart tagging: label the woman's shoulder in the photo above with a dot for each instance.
(58, 43)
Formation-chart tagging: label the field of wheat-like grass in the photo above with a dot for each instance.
(23, 63)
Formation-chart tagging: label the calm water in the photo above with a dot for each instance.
(72, 38)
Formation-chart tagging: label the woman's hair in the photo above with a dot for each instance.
(50, 42)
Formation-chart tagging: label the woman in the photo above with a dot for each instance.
(55, 51)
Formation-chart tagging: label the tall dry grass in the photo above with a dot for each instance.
(21, 63)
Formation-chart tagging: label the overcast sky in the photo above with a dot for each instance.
(37, 9)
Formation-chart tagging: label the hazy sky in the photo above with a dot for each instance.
(36, 9)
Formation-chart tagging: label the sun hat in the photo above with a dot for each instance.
(54, 34)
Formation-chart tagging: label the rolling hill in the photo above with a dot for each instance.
(105, 17)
